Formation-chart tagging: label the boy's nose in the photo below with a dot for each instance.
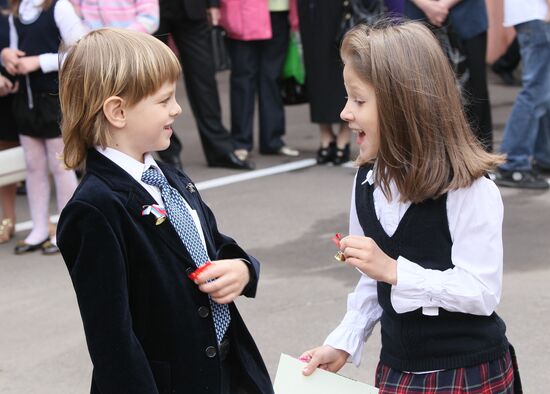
(177, 110)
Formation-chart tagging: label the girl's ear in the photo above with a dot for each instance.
(114, 110)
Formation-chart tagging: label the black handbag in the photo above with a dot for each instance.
(359, 11)
(222, 61)
(454, 50)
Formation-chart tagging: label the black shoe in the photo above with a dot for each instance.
(540, 169)
(506, 76)
(341, 156)
(22, 247)
(326, 155)
(528, 179)
(233, 162)
(48, 248)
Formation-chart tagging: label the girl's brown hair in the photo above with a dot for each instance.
(426, 145)
(14, 6)
(105, 63)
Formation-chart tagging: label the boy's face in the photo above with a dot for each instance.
(149, 122)
(361, 114)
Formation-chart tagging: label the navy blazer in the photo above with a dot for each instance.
(147, 325)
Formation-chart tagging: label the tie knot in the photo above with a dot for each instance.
(153, 177)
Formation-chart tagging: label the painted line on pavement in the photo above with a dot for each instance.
(217, 182)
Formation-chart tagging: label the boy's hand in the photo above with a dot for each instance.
(364, 253)
(324, 357)
(231, 277)
(28, 64)
(10, 59)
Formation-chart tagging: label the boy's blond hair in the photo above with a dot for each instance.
(105, 63)
(426, 144)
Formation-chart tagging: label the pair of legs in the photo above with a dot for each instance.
(192, 38)
(255, 69)
(334, 146)
(527, 131)
(7, 200)
(42, 157)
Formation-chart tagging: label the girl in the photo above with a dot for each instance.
(425, 225)
(35, 30)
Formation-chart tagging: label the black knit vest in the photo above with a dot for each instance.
(412, 341)
(38, 37)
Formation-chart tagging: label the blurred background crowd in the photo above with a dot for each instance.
(256, 40)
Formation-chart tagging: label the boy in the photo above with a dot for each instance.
(135, 231)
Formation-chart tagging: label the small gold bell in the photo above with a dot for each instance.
(340, 256)
(160, 220)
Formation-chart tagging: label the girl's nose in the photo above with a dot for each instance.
(346, 114)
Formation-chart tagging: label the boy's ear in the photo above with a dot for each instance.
(115, 111)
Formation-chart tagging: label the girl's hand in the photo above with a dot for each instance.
(364, 254)
(324, 357)
(436, 11)
(10, 59)
(230, 277)
(7, 86)
(28, 64)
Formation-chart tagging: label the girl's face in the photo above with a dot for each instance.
(361, 114)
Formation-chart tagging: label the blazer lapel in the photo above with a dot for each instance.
(165, 231)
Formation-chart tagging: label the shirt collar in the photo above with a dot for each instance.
(133, 167)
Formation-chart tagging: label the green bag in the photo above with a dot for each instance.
(294, 64)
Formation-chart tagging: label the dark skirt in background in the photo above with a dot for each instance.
(319, 25)
(40, 121)
(8, 128)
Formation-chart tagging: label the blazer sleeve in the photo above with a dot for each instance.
(227, 248)
(96, 262)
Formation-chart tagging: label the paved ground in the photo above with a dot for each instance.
(285, 220)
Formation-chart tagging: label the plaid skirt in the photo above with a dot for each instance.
(500, 376)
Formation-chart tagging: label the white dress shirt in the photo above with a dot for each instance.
(68, 22)
(472, 286)
(135, 169)
(519, 11)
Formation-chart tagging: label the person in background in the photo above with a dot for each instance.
(469, 21)
(527, 132)
(188, 21)
(319, 27)
(258, 33)
(36, 31)
(8, 130)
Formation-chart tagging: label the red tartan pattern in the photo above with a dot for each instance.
(494, 377)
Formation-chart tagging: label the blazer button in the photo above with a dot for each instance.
(210, 352)
(204, 312)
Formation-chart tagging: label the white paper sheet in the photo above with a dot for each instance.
(289, 380)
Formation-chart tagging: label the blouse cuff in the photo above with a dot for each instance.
(413, 289)
(49, 62)
(350, 336)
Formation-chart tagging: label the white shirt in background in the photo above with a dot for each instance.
(520, 11)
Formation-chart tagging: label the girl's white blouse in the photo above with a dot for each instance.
(473, 286)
